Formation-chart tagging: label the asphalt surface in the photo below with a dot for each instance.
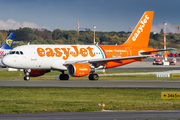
(100, 115)
(128, 84)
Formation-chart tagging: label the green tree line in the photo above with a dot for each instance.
(58, 36)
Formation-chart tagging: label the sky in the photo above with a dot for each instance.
(107, 15)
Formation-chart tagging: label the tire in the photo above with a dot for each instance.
(26, 78)
(90, 76)
(64, 77)
(95, 76)
(61, 77)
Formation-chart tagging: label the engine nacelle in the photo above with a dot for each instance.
(78, 69)
(35, 73)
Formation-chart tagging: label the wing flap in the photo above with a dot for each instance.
(105, 60)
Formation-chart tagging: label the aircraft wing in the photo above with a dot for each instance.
(98, 62)
(148, 52)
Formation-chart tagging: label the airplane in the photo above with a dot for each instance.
(6, 47)
(83, 60)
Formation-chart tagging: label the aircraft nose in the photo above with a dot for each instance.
(5, 61)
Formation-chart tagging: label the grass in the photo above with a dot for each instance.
(33, 100)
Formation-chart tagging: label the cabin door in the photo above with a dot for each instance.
(128, 51)
(33, 54)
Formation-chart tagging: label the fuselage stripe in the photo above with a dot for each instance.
(102, 52)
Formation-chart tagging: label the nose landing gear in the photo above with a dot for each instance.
(26, 78)
(27, 73)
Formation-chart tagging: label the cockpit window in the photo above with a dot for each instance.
(21, 52)
(12, 52)
(17, 52)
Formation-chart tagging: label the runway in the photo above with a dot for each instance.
(99, 115)
(128, 84)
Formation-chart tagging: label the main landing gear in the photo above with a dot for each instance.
(63, 76)
(66, 76)
(93, 76)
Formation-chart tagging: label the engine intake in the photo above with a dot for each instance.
(78, 69)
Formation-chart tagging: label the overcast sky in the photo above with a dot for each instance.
(107, 15)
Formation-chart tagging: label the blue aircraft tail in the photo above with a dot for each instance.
(8, 42)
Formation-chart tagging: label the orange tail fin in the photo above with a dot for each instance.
(140, 35)
(166, 54)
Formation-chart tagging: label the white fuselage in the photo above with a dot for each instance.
(50, 56)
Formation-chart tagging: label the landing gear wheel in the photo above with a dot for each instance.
(90, 76)
(26, 78)
(64, 77)
(93, 77)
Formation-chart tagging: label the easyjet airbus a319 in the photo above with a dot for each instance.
(82, 60)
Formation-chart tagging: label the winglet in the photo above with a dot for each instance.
(141, 33)
(8, 42)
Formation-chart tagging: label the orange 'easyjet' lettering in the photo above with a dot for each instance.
(66, 52)
(83, 52)
(90, 51)
(76, 53)
(41, 52)
(58, 52)
(50, 52)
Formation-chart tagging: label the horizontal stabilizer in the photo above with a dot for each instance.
(149, 52)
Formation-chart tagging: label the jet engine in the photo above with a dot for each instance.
(78, 69)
